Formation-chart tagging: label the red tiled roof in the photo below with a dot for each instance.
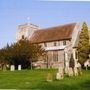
(62, 32)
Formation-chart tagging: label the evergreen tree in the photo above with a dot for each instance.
(83, 45)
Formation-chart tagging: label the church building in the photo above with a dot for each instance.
(59, 42)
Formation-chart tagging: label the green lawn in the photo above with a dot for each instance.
(36, 80)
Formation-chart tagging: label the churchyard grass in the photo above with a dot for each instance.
(37, 80)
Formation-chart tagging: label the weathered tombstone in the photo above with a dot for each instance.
(59, 74)
(4, 67)
(79, 68)
(70, 72)
(49, 77)
(87, 64)
(67, 67)
(75, 71)
(12, 68)
(19, 67)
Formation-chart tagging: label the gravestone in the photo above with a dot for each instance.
(67, 67)
(60, 73)
(79, 68)
(87, 64)
(12, 68)
(70, 73)
(76, 71)
(4, 68)
(49, 77)
(19, 67)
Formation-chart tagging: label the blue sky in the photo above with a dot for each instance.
(42, 13)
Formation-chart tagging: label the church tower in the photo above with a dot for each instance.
(25, 30)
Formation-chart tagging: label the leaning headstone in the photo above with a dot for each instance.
(12, 68)
(19, 67)
(59, 74)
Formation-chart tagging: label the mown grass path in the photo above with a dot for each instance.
(36, 80)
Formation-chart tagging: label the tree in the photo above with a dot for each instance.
(4, 57)
(83, 45)
(22, 53)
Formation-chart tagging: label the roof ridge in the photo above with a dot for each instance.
(56, 26)
(61, 32)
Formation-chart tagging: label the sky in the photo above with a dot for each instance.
(45, 13)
